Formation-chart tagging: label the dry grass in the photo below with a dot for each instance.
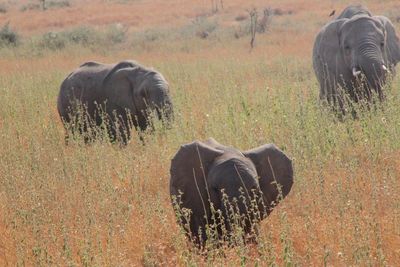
(146, 14)
(102, 205)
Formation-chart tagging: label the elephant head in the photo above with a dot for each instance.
(356, 52)
(153, 93)
(140, 90)
(353, 10)
(217, 187)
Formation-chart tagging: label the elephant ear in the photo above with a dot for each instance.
(117, 87)
(327, 54)
(91, 64)
(393, 42)
(354, 10)
(273, 168)
(117, 67)
(328, 41)
(188, 184)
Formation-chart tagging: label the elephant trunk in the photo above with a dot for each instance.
(167, 110)
(162, 105)
(375, 72)
(371, 64)
(157, 101)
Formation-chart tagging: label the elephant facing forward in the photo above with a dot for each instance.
(120, 96)
(355, 53)
(219, 188)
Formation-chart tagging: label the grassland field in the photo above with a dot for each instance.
(100, 205)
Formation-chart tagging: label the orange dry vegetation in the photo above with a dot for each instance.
(144, 14)
(101, 205)
(137, 14)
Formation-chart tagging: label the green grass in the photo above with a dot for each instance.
(103, 205)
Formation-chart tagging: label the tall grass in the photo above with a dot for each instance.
(103, 205)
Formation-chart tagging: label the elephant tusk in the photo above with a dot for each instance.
(356, 72)
(384, 68)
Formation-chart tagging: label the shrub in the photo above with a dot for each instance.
(149, 36)
(45, 5)
(265, 21)
(241, 17)
(116, 33)
(8, 36)
(261, 24)
(58, 4)
(29, 6)
(3, 8)
(52, 41)
(201, 27)
(243, 29)
(82, 35)
(278, 11)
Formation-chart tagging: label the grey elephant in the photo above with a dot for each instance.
(120, 96)
(354, 10)
(353, 55)
(218, 188)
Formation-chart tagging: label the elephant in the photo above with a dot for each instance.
(354, 55)
(120, 96)
(217, 187)
(354, 10)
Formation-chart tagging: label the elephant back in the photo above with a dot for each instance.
(82, 86)
(354, 10)
(112, 69)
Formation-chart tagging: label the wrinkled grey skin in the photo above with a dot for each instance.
(353, 10)
(201, 170)
(124, 93)
(355, 52)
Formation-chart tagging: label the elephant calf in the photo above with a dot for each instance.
(118, 96)
(216, 190)
(354, 54)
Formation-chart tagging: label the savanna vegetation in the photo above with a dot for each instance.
(100, 205)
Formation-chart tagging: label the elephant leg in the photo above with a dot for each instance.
(334, 94)
(124, 127)
(378, 90)
(381, 95)
(67, 135)
(328, 89)
(142, 122)
(323, 96)
(79, 126)
(323, 79)
(119, 129)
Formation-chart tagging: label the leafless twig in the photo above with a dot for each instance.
(253, 26)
